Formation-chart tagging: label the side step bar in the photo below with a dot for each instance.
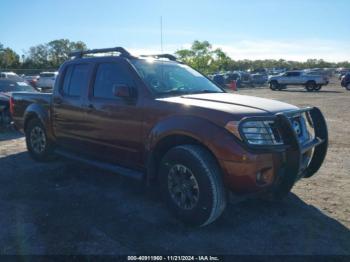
(102, 165)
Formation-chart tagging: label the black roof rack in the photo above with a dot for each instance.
(168, 56)
(81, 53)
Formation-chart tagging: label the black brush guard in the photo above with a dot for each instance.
(292, 150)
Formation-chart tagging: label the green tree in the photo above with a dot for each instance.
(52, 54)
(58, 50)
(8, 58)
(202, 57)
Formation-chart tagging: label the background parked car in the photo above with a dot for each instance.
(345, 82)
(259, 79)
(245, 78)
(233, 76)
(219, 79)
(32, 80)
(310, 81)
(46, 81)
(10, 76)
(6, 88)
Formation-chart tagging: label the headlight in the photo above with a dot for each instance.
(259, 133)
(256, 132)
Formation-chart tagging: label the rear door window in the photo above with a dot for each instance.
(76, 79)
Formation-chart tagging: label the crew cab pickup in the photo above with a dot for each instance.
(310, 81)
(157, 119)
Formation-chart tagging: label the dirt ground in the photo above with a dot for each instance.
(64, 207)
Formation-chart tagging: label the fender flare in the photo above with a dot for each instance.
(190, 126)
(187, 126)
(37, 111)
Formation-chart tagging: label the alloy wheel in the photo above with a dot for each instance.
(183, 187)
(38, 139)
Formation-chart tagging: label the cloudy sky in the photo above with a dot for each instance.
(254, 29)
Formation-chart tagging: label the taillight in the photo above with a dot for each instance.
(12, 106)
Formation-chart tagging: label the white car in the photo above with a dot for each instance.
(10, 76)
(46, 80)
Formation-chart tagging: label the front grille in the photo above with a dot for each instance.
(276, 134)
(301, 126)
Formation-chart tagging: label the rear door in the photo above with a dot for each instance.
(115, 123)
(68, 115)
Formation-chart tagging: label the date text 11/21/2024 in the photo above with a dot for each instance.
(173, 258)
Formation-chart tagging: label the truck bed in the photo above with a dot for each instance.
(23, 100)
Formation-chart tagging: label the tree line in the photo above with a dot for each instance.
(42, 56)
(204, 58)
(201, 56)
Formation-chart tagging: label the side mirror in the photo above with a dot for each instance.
(122, 90)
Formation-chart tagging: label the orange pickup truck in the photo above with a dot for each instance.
(157, 119)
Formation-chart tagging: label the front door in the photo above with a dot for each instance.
(116, 123)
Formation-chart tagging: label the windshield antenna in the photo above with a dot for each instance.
(161, 34)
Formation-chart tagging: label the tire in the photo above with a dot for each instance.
(39, 146)
(318, 88)
(282, 87)
(310, 86)
(191, 169)
(348, 87)
(274, 85)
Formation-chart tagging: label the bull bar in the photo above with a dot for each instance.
(292, 149)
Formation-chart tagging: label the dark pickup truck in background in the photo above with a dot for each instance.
(156, 119)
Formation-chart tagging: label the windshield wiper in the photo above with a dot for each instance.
(173, 92)
(205, 91)
(182, 92)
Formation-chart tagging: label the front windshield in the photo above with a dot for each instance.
(169, 78)
(9, 86)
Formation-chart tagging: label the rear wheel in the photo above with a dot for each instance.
(310, 86)
(347, 86)
(318, 87)
(192, 185)
(38, 144)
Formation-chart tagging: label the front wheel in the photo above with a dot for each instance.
(38, 144)
(274, 85)
(191, 183)
(347, 86)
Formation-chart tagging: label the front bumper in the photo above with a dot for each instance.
(282, 165)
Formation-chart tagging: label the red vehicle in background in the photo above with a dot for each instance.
(32, 80)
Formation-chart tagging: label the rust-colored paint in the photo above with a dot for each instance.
(127, 131)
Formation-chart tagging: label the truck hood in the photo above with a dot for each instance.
(233, 103)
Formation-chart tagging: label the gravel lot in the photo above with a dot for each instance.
(63, 207)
